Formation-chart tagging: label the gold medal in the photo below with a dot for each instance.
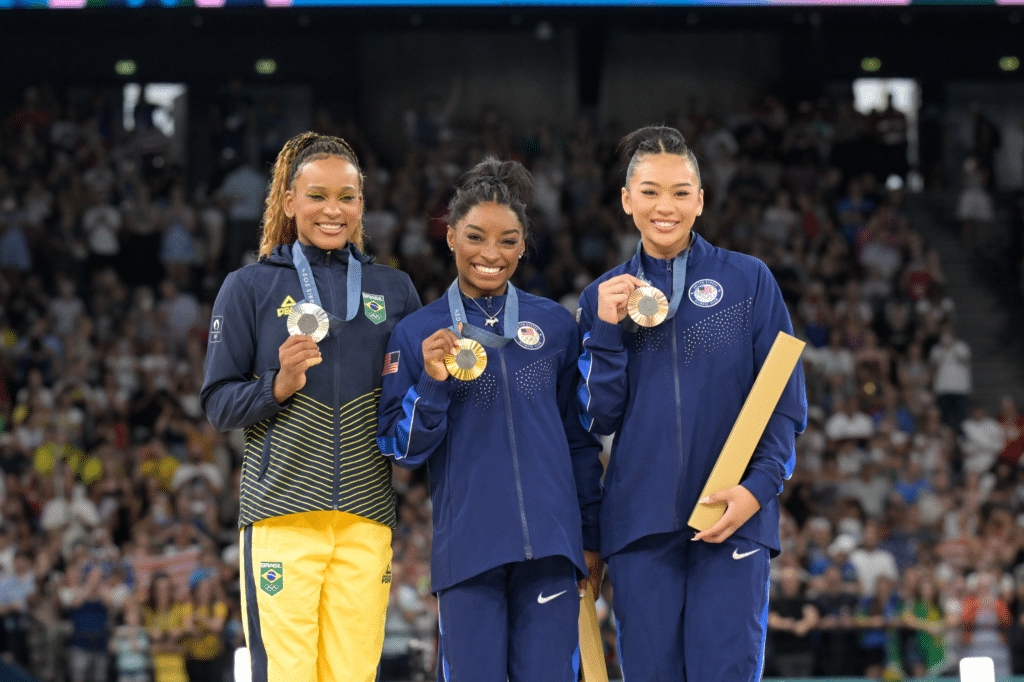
(647, 306)
(308, 319)
(469, 362)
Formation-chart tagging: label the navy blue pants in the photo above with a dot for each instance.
(518, 622)
(690, 610)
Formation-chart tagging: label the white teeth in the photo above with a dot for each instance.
(330, 227)
(486, 270)
(663, 223)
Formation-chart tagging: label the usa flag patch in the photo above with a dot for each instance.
(390, 363)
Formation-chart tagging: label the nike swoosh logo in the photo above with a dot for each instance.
(541, 599)
(736, 553)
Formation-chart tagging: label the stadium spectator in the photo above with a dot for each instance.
(84, 214)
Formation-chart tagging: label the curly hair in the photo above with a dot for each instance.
(502, 182)
(278, 228)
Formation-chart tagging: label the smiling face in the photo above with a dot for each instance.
(664, 197)
(326, 203)
(487, 243)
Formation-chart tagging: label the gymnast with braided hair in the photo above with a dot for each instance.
(295, 357)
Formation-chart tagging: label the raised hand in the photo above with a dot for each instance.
(297, 354)
(612, 295)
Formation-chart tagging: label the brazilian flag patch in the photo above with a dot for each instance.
(373, 307)
(271, 577)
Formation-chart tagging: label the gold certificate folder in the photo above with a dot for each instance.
(749, 426)
(591, 647)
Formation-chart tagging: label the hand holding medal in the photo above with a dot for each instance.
(309, 319)
(647, 306)
(297, 354)
(613, 297)
(468, 362)
(437, 348)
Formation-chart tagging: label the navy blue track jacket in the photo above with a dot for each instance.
(316, 451)
(671, 394)
(513, 475)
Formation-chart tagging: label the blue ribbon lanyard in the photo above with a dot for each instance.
(509, 325)
(678, 276)
(353, 281)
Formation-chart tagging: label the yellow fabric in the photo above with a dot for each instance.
(204, 645)
(169, 668)
(325, 622)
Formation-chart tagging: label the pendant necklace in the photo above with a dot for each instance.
(491, 319)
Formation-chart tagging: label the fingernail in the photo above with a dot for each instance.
(705, 500)
(583, 593)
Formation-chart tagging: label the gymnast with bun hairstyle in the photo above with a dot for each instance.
(295, 358)
(672, 342)
(483, 395)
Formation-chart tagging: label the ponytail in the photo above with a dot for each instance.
(655, 140)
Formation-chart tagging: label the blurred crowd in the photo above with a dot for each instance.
(903, 546)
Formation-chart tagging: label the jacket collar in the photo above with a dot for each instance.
(699, 247)
(282, 254)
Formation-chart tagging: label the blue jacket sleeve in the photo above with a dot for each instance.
(584, 447)
(231, 397)
(775, 455)
(603, 385)
(412, 420)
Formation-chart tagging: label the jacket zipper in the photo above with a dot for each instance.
(336, 375)
(528, 549)
(679, 400)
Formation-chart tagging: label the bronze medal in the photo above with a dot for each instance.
(469, 362)
(647, 306)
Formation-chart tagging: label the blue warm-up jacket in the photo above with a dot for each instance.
(513, 474)
(316, 451)
(671, 394)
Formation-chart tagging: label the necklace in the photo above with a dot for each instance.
(491, 319)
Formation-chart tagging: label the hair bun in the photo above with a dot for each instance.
(503, 182)
(655, 140)
(652, 139)
(494, 172)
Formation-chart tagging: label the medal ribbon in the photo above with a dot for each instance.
(509, 325)
(678, 276)
(353, 281)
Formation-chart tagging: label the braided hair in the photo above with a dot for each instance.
(492, 181)
(655, 140)
(277, 227)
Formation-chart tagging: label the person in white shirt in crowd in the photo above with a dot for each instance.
(981, 441)
(408, 627)
(69, 514)
(242, 194)
(17, 595)
(871, 488)
(834, 363)
(849, 422)
(871, 561)
(951, 358)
